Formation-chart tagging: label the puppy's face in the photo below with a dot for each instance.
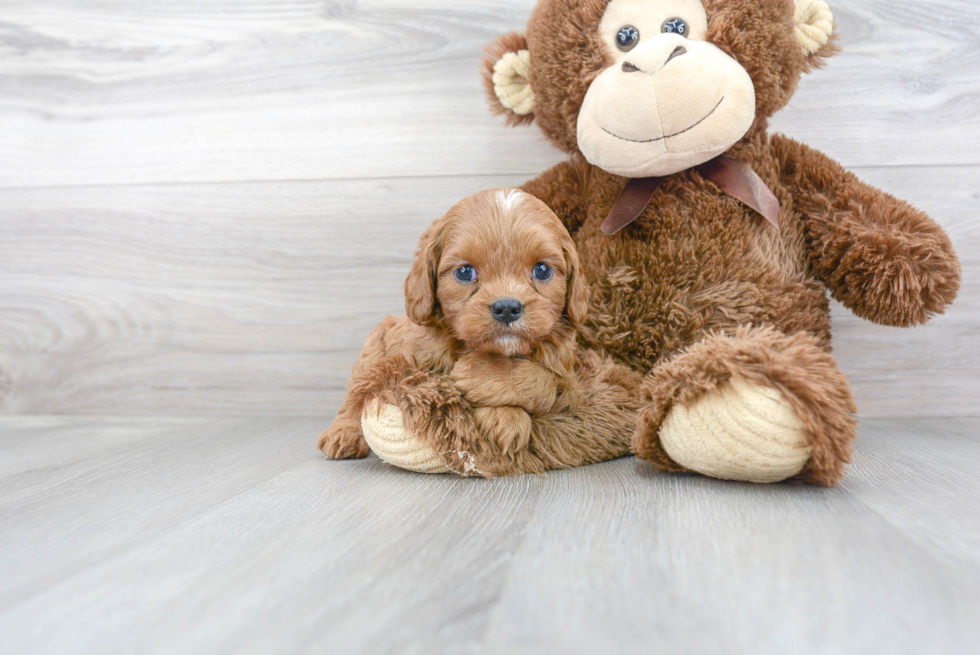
(500, 271)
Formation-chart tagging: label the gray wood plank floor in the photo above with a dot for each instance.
(234, 535)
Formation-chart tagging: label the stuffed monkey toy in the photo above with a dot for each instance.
(711, 246)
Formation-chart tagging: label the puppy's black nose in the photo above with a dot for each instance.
(507, 310)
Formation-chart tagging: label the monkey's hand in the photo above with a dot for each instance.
(494, 381)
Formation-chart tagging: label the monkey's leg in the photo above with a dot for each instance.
(757, 405)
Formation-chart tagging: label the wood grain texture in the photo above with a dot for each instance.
(222, 299)
(123, 92)
(256, 299)
(253, 297)
(224, 535)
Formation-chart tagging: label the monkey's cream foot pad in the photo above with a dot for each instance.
(738, 431)
(385, 433)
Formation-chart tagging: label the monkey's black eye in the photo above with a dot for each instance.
(465, 274)
(543, 272)
(675, 26)
(627, 38)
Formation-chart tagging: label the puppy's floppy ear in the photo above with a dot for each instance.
(421, 304)
(506, 78)
(576, 292)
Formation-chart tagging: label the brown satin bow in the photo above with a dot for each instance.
(730, 175)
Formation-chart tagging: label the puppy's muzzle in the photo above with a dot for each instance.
(507, 310)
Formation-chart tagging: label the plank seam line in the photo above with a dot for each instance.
(321, 180)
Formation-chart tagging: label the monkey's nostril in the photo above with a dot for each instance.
(678, 51)
(507, 310)
(629, 68)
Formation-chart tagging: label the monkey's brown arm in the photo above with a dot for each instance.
(563, 188)
(883, 259)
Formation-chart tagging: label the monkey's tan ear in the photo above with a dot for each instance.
(506, 78)
(421, 303)
(815, 31)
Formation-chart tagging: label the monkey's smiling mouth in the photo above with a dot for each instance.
(668, 136)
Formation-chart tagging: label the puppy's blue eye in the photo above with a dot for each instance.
(543, 272)
(465, 274)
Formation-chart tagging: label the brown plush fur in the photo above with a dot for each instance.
(493, 399)
(700, 288)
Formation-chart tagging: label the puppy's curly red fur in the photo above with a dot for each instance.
(507, 392)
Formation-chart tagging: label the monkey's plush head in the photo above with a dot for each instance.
(646, 88)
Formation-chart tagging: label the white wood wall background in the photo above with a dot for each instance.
(205, 207)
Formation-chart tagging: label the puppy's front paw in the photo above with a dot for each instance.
(343, 440)
(507, 427)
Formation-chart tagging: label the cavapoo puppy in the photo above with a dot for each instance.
(484, 366)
